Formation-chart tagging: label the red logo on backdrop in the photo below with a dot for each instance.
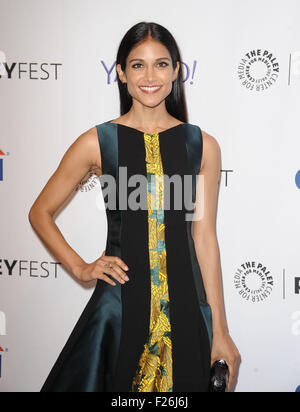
(1, 350)
(1, 165)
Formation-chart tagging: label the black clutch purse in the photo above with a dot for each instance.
(218, 377)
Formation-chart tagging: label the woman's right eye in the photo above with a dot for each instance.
(136, 64)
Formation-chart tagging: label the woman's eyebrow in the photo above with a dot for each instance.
(141, 60)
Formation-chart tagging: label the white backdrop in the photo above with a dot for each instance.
(242, 67)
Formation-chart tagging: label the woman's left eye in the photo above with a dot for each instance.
(134, 66)
(166, 64)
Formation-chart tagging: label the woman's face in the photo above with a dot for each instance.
(149, 64)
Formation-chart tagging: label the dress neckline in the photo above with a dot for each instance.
(159, 133)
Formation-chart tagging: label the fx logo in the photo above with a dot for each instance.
(1, 351)
(1, 165)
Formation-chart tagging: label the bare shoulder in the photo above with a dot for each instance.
(211, 151)
(90, 144)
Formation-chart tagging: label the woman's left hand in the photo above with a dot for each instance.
(224, 348)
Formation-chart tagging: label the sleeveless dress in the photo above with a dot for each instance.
(154, 332)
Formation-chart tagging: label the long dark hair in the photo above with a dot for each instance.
(175, 101)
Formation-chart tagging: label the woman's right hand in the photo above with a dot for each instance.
(98, 269)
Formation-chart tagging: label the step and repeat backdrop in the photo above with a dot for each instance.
(242, 80)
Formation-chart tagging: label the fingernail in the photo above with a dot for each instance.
(126, 268)
(126, 277)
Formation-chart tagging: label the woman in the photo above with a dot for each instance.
(155, 322)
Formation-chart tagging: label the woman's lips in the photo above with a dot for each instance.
(150, 89)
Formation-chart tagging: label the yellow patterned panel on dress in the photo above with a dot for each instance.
(154, 370)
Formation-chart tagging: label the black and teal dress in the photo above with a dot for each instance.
(154, 332)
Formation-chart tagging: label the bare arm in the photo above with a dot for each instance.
(75, 164)
(204, 232)
(207, 250)
(83, 154)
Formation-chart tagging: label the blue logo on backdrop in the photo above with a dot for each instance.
(297, 179)
(297, 389)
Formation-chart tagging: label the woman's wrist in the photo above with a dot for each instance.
(77, 269)
(219, 323)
